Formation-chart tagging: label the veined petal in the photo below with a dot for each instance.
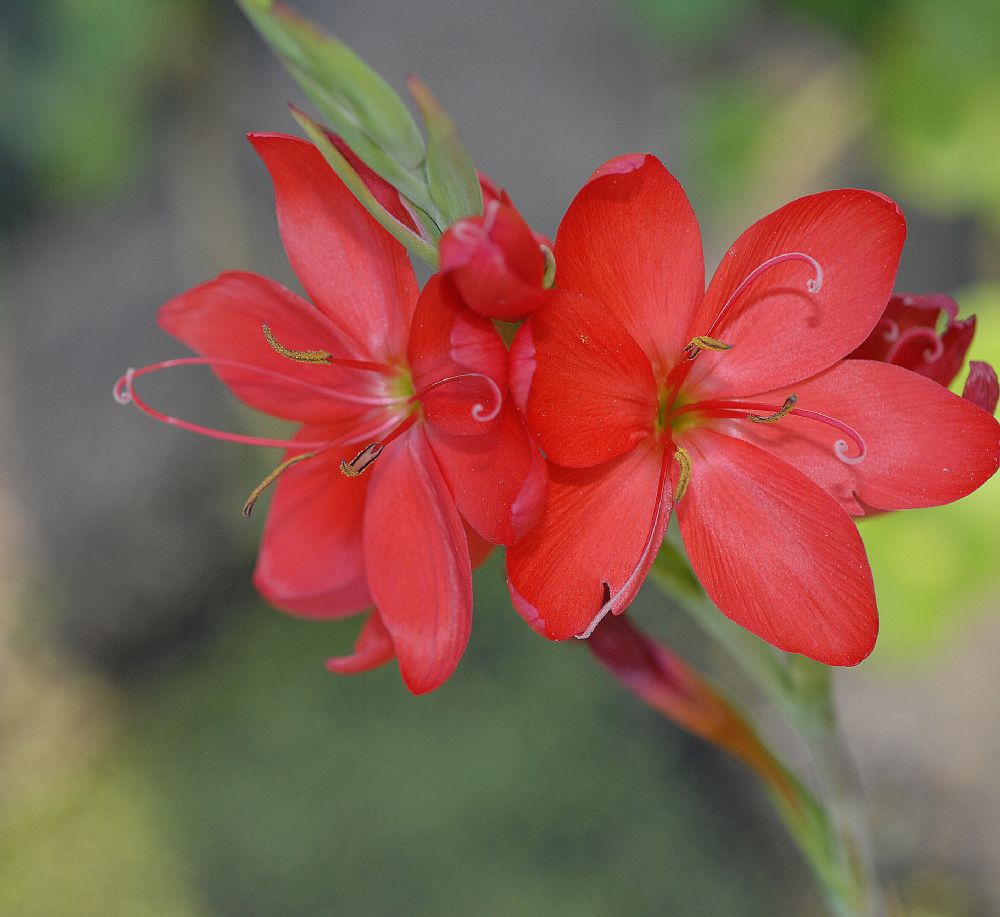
(451, 350)
(497, 479)
(630, 241)
(417, 556)
(924, 445)
(354, 271)
(223, 319)
(593, 394)
(775, 552)
(372, 649)
(778, 330)
(311, 560)
(600, 525)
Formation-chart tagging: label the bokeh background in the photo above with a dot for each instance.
(171, 746)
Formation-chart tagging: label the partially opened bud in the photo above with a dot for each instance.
(982, 386)
(495, 261)
(908, 336)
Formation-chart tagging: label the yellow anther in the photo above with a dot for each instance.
(703, 342)
(299, 356)
(783, 411)
(357, 465)
(271, 478)
(684, 463)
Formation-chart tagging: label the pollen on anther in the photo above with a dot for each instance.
(683, 460)
(359, 464)
(299, 356)
(783, 411)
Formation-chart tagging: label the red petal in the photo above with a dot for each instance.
(497, 479)
(630, 242)
(521, 366)
(223, 319)
(982, 387)
(495, 262)
(594, 529)
(351, 267)
(925, 445)
(311, 560)
(418, 562)
(449, 340)
(779, 331)
(775, 552)
(372, 649)
(593, 394)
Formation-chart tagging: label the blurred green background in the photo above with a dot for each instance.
(171, 746)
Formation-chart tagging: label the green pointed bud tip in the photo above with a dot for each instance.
(451, 174)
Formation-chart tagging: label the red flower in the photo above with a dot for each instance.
(735, 405)
(495, 261)
(408, 455)
(907, 335)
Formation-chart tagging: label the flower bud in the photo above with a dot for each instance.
(495, 261)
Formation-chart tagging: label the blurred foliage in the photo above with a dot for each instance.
(930, 95)
(82, 80)
(252, 782)
(935, 71)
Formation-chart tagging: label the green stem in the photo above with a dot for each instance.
(842, 857)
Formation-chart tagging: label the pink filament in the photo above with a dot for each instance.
(813, 285)
(479, 411)
(125, 393)
(740, 409)
(647, 547)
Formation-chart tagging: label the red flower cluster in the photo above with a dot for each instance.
(740, 407)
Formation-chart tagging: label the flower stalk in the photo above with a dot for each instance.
(837, 840)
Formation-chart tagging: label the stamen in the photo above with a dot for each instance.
(610, 599)
(271, 478)
(299, 356)
(322, 357)
(813, 285)
(737, 410)
(479, 411)
(357, 465)
(783, 411)
(703, 342)
(684, 462)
